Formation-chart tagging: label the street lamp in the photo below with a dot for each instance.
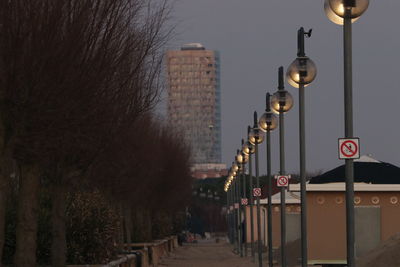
(256, 137)
(282, 102)
(248, 149)
(228, 211)
(236, 187)
(230, 199)
(348, 11)
(239, 159)
(268, 122)
(301, 73)
(242, 159)
(235, 205)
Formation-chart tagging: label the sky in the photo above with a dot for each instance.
(256, 37)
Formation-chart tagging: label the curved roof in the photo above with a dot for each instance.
(366, 170)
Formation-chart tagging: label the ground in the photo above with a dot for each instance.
(206, 253)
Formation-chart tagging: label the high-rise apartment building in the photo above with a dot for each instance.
(194, 101)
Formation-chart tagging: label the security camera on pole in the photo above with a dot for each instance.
(300, 74)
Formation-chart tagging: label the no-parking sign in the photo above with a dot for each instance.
(257, 192)
(282, 180)
(349, 148)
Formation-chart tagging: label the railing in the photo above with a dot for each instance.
(148, 254)
(124, 261)
(153, 252)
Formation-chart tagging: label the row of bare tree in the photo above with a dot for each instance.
(78, 82)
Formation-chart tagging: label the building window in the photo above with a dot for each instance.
(375, 200)
(339, 200)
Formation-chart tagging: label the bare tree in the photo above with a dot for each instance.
(72, 74)
(146, 171)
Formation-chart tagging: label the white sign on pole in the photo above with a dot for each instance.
(282, 180)
(349, 148)
(257, 192)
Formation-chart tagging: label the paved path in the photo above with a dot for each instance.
(206, 254)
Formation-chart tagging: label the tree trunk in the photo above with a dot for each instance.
(121, 228)
(128, 224)
(148, 223)
(4, 186)
(6, 168)
(58, 218)
(27, 216)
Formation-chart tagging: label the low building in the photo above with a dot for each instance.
(377, 217)
(210, 170)
(292, 219)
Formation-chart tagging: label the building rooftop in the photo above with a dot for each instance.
(193, 46)
(291, 198)
(366, 170)
(341, 187)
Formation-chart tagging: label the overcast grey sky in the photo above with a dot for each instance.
(255, 37)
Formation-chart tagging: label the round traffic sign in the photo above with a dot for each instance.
(349, 148)
(282, 181)
(257, 192)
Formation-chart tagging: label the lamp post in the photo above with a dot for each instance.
(301, 73)
(228, 210)
(256, 137)
(282, 102)
(345, 12)
(240, 209)
(237, 206)
(241, 159)
(267, 123)
(234, 170)
(229, 189)
(248, 149)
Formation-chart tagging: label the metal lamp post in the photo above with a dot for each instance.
(282, 102)
(248, 149)
(267, 123)
(256, 137)
(239, 197)
(345, 12)
(301, 73)
(228, 211)
(229, 189)
(237, 207)
(241, 159)
(235, 169)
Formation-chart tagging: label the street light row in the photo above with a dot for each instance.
(301, 72)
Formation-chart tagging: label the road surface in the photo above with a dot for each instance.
(206, 253)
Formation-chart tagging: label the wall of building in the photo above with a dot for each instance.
(327, 225)
(292, 223)
(194, 99)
